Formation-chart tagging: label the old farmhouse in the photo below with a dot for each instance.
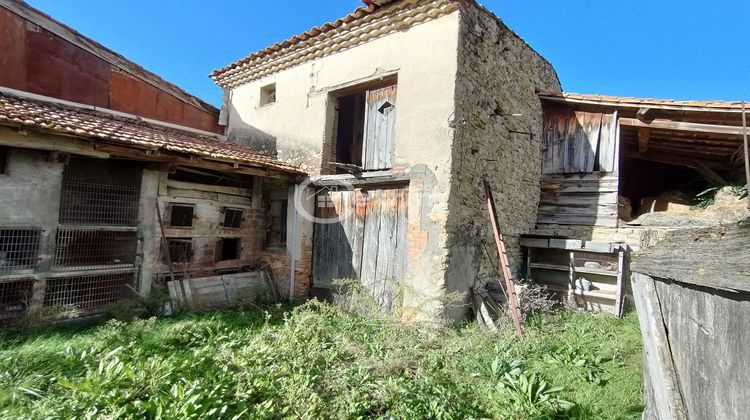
(353, 152)
(398, 111)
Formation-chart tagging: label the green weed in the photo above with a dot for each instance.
(317, 361)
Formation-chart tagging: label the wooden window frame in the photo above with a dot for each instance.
(171, 209)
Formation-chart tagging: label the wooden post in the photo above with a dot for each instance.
(515, 311)
(747, 151)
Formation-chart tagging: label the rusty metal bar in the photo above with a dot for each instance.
(515, 311)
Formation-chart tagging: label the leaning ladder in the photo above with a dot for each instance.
(515, 311)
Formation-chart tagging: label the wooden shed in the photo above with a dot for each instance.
(607, 160)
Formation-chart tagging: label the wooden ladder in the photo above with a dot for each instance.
(515, 311)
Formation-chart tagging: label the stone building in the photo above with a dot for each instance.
(112, 179)
(398, 111)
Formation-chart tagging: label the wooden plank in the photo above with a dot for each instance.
(380, 117)
(579, 200)
(662, 390)
(664, 124)
(565, 243)
(555, 142)
(608, 143)
(620, 300)
(370, 241)
(385, 288)
(579, 220)
(582, 141)
(708, 336)
(402, 240)
(595, 246)
(715, 257)
(211, 188)
(534, 242)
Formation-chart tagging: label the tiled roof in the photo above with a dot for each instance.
(129, 131)
(356, 28)
(641, 102)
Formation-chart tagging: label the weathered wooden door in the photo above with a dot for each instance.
(366, 243)
(380, 124)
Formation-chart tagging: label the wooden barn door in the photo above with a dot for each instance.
(380, 124)
(368, 243)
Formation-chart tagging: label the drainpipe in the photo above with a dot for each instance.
(295, 239)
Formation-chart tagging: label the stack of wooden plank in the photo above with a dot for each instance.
(488, 303)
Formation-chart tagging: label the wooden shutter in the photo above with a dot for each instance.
(380, 118)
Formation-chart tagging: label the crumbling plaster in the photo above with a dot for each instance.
(301, 123)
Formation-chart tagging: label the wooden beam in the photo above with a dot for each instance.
(58, 157)
(180, 185)
(646, 114)
(143, 155)
(664, 124)
(643, 137)
(39, 141)
(702, 169)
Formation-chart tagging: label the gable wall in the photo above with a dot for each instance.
(499, 75)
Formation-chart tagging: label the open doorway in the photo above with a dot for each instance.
(364, 130)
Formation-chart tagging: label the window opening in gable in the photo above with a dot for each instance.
(268, 94)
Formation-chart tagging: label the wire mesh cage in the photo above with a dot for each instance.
(95, 248)
(14, 299)
(232, 218)
(100, 193)
(180, 250)
(89, 293)
(19, 249)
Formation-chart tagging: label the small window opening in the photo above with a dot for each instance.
(181, 215)
(268, 94)
(233, 218)
(276, 227)
(180, 250)
(3, 160)
(228, 249)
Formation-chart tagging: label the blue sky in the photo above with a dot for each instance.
(674, 49)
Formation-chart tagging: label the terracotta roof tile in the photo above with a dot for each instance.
(129, 131)
(638, 102)
(376, 20)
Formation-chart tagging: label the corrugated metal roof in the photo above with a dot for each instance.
(82, 41)
(129, 131)
(641, 102)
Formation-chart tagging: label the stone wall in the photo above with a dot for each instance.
(498, 78)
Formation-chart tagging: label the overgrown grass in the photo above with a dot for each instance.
(315, 361)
